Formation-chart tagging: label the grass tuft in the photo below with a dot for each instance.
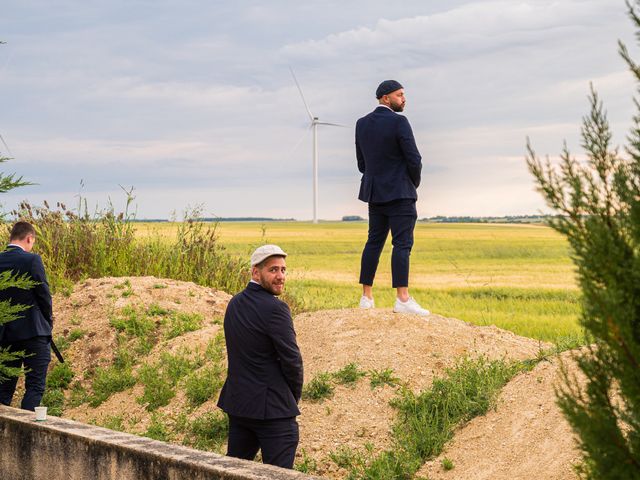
(319, 388)
(209, 431)
(379, 378)
(348, 375)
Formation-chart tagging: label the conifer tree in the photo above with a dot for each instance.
(9, 312)
(598, 207)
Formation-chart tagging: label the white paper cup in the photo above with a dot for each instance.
(41, 414)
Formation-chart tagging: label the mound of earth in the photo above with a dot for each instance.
(91, 307)
(414, 348)
(526, 436)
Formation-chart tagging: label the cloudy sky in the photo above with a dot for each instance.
(192, 102)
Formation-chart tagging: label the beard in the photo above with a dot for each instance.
(397, 107)
(273, 287)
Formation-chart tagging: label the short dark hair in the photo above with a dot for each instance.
(20, 231)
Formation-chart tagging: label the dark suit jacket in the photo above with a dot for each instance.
(264, 380)
(36, 320)
(387, 157)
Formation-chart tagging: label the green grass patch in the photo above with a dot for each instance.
(447, 464)
(160, 378)
(379, 378)
(110, 380)
(204, 384)
(158, 430)
(156, 310)
(181, 323)
(349, 374)
(209, 431)
(53, 399)
(76, 334)
(78, 395)
(426, 421)
(60, 376)
(113, 422)
(158, 391)
(216, 348)
(319, 388)
(133, 322)
(307, 464)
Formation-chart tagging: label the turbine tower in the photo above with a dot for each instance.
(313, 126)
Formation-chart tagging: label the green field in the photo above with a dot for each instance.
(517, 277)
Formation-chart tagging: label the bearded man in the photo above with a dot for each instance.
(391, 165)
(264, 378)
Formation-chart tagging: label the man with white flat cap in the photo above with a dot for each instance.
(264, 378)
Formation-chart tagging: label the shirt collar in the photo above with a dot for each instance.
(14, 245)
(385, 106)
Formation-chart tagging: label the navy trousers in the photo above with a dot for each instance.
(36, 361)
(399, 217)
(277, 439)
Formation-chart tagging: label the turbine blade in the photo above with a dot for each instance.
(302, 137)
(333, 124)
(301, 94)
(5, 145)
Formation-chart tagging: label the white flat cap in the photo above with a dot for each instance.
(264, 252)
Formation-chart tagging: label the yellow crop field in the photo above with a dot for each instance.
(517, 276)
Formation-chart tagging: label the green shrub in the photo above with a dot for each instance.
(597, 206)
(76, 245)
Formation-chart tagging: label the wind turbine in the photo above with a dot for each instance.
(313, 126)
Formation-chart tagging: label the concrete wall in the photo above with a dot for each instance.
(63, 449)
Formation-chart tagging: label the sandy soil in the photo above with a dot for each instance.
(524, 438)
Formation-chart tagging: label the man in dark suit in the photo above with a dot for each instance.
(264, 379)
(391, 165)
(31, 331)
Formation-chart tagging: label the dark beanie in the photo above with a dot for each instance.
(386, 87)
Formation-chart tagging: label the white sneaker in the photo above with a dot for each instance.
(366, 302)
(410, 306)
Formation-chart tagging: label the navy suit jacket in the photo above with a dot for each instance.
(387, 157)
(37, 319)
(264, 378)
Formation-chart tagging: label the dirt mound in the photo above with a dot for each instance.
(526, 436)
(415, 348)
(91, 308)
(525, 431)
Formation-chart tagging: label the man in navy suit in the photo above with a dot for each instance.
(391, 165)
(264, 378)
(31, 331)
